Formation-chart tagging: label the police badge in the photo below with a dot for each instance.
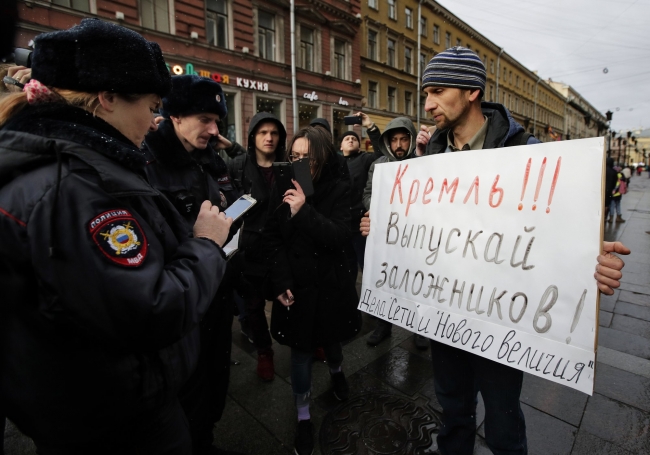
(119, 236)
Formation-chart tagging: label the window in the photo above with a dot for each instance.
(517, 81)
(340, 59)
(458, 42)
(372, 44)
(270, 105)
(392, 94)
(80, 5)
(423, 26)
(154, 14)
(408, 13)
(372, 94)
(492, 66)
(390, 59)
(306, 48)
(372, 4)
(266, 35)
(408, 103)
(505, 74)
(447, 40)
(217, 23)
(408, 58)
(491, 94)
(423, 113)
(392, 13)
(436, 34)
(423, 63)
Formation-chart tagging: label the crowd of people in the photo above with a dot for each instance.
(115, 326)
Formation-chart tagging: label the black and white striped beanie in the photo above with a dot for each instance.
(457, 67)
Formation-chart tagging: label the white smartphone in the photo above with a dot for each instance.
(240, 206)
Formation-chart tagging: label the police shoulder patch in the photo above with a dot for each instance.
(119, 236)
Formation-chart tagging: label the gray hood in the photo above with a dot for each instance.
(399, 123)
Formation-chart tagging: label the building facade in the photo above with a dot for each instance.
(242, 44)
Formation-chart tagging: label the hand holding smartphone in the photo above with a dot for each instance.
(352, 120)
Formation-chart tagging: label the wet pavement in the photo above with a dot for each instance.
(393, 384)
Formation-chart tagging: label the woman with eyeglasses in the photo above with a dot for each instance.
(316, 299)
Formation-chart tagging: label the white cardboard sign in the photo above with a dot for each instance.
(493, 252)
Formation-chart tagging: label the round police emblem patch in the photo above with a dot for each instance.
(119, 237)
(218, 98)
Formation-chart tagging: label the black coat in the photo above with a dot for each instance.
(105, 331)
(307, 254)
(187, 179)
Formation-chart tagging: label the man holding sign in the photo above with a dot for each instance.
(454, 81)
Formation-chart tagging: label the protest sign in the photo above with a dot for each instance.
(493, 252)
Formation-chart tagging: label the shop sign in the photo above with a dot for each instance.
(178, 70)
(342, 102)
(311, 96)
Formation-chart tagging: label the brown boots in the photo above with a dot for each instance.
(619, 219)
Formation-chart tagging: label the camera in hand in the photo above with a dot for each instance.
(352, 120)
(23, 57)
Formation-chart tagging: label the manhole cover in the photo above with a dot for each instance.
(380, 424)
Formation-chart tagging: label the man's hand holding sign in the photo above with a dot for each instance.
(489, 252)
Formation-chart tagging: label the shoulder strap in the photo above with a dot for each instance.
(521, 138)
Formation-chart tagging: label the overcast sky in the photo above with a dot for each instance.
(599, 47)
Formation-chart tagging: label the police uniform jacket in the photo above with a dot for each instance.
(102, 289)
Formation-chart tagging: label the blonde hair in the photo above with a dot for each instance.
(13, 103)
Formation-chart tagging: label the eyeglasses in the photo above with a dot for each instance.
(298, 157)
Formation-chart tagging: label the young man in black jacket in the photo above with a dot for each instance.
(252, 170)
(183, 165)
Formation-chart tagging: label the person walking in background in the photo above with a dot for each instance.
(103, 290)
(315, 296)
(620, 188)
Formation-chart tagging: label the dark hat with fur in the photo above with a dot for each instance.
(193, 94)
(96, 56)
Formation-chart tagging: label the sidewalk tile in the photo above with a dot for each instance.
(623, 361)
(624, 342)
(635, 297)
(632, 310)
(631, 325)
(623, 386)
(635, 287)
(588, 444)
(640, 279)
(559, 401)
(620, 424)
(607, 302)
(402, 370)
(546, 434)
(604, 318)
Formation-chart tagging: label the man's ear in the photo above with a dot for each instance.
(474, 95)
(175, 119)
(107, 100)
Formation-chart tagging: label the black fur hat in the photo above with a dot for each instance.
(96, 56)
(192, 94)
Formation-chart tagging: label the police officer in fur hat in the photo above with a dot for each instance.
(184, 166)
(102, 289)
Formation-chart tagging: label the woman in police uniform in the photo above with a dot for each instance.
(102, 287)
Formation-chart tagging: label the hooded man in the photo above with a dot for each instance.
(183, 165)
(397, 143)
(252, 170)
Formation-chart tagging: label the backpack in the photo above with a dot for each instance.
(622, 186)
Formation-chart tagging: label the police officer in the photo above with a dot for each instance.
(184, 166)
(102, 287)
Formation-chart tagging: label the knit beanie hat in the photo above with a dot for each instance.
(193, 94)
(457, 67)
(96, 56)
(349, 133)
